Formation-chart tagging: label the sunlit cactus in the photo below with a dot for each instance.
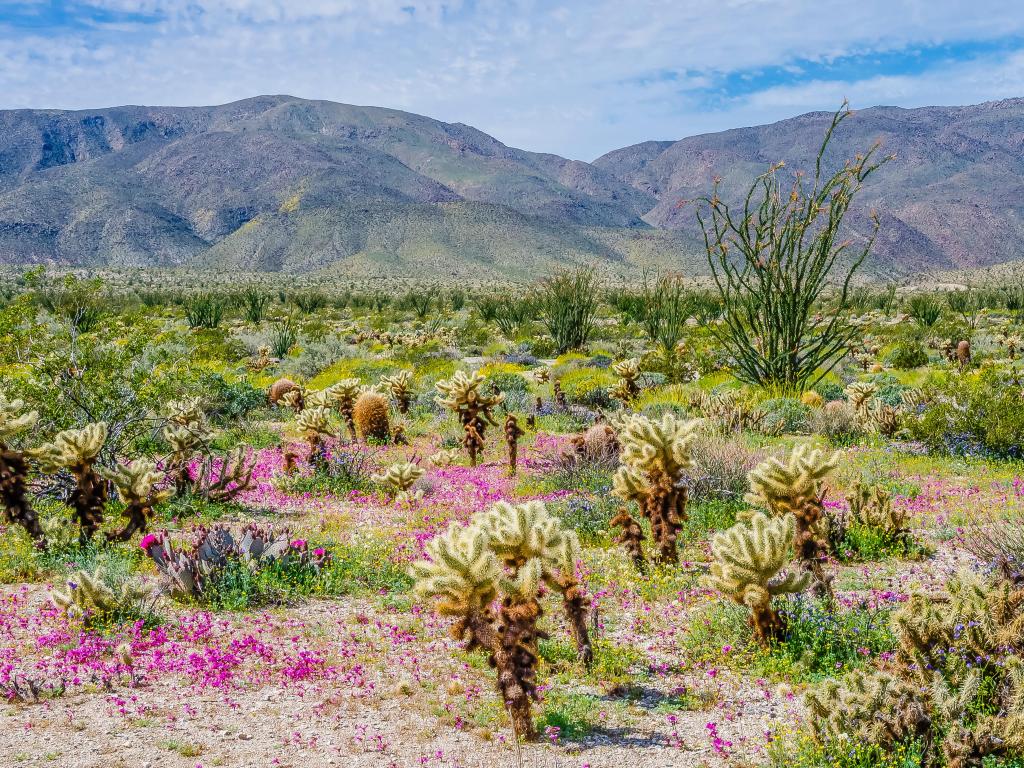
(400, 387)
(444, 458)
(76, 450)
(655, 456)
(860, 394)
(512, 432)
(343, 395)
(87, 597)
(871, 507)
(222, 478)
(749, 569)
(796, 487)
(627, 387)
(401, 477)
(286, 392)
(136, 485)
(504, 555)
(314, 423)
(14, 420)
(461, 394)
(370, 414)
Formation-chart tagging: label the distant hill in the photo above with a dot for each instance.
(953, 198)
(284, 184)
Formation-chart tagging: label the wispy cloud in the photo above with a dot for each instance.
(576, 77)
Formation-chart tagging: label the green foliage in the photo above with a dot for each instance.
(907, 355)
(567, 304)
(974, 413)
(785, 416)
(773, 261)
(283, 336)
(309, 302)
(254, 303)
(925, 309)
(205, 310)
(75, 301)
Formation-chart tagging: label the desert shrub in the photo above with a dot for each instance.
(348, 469)
(204, 310)
(225, 401)
(785, 415)
(830, 390)
(888, 389)
(567, 304)
(283, 337)
(75, 301)
(588, 386)
(254, 303)
(720, 467)
(978, 413)
(836, 420)
(309, 301)
(907, 355)
(587, 517)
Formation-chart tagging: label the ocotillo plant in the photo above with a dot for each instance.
(400, 387)
(76, 450)
(14, 420)
(748, 568)
(795, 487)
(772, 259)
(136, 484)
(655, 455)
(504, 554)
(461, 394)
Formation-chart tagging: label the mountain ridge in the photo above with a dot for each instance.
(287, 184)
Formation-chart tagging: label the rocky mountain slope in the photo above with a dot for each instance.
(280, 183)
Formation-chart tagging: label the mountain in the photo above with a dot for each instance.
(285, 184)
(952, 198)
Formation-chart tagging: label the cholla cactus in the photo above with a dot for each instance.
(626, 388)
(314, 423)
(749, 569)
(400, 386)
(444, 458)
(1012, 342)
(461, 394)
(871, 507)
(401, 476)
(655, 455)
(935, 690)
(14, 420)
(512, 434)
(88, 598)
(504, 554)
(343, 396)
(795, 487)
(860, 394)
(186, 432)
(136, 484)
(76, 450)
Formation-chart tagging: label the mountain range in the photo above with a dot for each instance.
(277, 183)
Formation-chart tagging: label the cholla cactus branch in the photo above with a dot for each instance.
(655, 455)
(14, 419)
(400, 386)
(76, 450)
(749, 569)
(136, 484)
(461, 395)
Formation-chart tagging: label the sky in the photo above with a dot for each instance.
(577, 78)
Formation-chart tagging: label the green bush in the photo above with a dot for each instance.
(907, 355)
(785, 416)
(976, 413)
(588, 386)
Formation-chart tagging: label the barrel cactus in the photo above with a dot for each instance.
(370, 414)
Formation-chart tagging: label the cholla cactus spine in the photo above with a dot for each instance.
(401, 476)
(655, 455)
(748, 562)
(314, 423)
(461, 394)
(400, 386)
(136, 484)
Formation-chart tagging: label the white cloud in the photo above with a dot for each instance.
(578, 78)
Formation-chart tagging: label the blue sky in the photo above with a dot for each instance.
(576, 77)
